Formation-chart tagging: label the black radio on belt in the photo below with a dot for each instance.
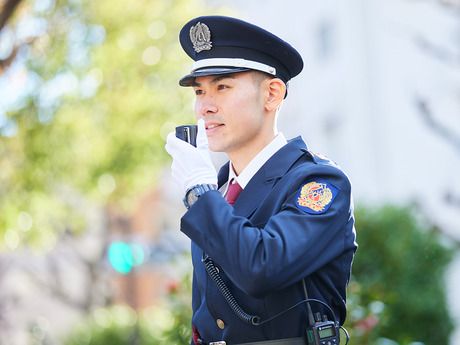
(323, 332)
(187, 133)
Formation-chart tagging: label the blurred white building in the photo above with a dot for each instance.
(380, 95)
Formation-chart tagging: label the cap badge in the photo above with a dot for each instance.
(316, 197)
(200, 35)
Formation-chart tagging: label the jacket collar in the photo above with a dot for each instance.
(267, 176)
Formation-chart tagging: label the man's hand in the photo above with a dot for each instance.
(191, 165)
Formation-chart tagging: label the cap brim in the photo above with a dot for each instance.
(189, 79)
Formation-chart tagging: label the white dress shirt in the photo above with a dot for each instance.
(256, 163)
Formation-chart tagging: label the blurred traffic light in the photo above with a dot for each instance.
(124, 256)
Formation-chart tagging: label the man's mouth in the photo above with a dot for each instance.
(210, 126)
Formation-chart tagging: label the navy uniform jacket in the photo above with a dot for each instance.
(267, 242)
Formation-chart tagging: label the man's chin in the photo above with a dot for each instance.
(215, 147)
(216, 150)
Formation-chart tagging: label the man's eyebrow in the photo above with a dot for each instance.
(216, 79)
(220, 77)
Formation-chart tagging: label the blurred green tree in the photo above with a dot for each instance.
(84, 108)
(398, 288)
(168, 323)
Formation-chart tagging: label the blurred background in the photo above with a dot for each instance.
(90, 247)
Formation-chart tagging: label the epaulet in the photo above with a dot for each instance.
(319, 158)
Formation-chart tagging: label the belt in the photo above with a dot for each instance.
(286, 341)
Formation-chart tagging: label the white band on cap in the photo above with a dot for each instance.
(230, 62)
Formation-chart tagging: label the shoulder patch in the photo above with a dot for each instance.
(316, 197)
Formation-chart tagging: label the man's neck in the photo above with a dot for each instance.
(242, 158)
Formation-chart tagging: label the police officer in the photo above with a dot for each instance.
(276, 223)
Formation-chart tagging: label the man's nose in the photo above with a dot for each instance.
(207, 106)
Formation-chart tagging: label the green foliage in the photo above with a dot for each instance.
(118, 325)
(89, 103)
(397, 291)
(180, 303)
(169, 323)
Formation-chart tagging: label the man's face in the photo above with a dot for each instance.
(233, 109)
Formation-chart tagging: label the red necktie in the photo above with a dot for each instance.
(195, 336)
(234, 190)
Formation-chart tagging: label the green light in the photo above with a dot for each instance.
(124, 256)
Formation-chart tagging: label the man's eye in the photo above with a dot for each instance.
(222, 87)
(198, 92)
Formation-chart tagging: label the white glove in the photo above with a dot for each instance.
(191, 165)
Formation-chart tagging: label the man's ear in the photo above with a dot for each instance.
(276, 89)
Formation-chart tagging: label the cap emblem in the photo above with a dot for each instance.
(200, 35)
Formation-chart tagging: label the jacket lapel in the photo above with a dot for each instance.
(263, 181)
(222, 177)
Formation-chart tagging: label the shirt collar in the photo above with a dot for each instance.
(257, 162)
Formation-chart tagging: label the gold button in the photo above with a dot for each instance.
(220, 323)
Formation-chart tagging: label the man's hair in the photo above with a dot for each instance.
(259, 76)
